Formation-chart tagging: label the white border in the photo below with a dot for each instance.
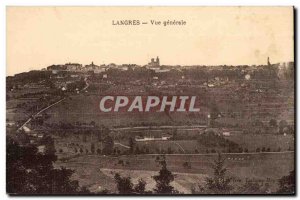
(5, 3)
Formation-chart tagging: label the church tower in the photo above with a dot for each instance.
(157, 61)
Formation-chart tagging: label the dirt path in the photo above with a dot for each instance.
(41, 111)
(117, 143)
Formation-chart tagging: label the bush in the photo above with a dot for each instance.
(121, 162)
(98, 151)
(187, 165)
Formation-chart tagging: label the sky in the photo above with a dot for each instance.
(37, 37)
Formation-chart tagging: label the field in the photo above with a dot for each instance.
(23, 103)
(188, 141)
(85, 108)
(97, 172)
(274, 142)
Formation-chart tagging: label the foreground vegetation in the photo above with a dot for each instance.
(32, 172)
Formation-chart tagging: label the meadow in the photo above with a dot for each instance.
(97, 172)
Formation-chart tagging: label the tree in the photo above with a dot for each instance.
(169, 150)
(131, 145)
(99, 136)
(30, 172)
(147, 150)
(140, 187)
(84, 138)
(258, 123)
(92, 148)
(219, 183)
(252, 187)
(273, 123)
(163, 180)
(287, 184)
(279, 149)
(108, 145)
(49, 144)
(174, 134)
(137, 150)
(187, 165)
(124, 184)
(282, 124)
(98, 151)
(92, 123)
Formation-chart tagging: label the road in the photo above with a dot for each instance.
(86, 84)
(127, 147)
(41, 111)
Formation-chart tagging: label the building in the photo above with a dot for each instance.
(91, 67)
(151, 138)
(55, 68)
(67, 67)
(154, 63)
(73, 66)
(95, 68)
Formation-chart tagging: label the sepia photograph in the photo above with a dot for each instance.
(150, 100)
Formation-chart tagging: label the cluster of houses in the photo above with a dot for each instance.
(154, 64)
(76, 67)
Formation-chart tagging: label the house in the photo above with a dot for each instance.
(41, 149)
(26, 129)
(151, 138)
(73, 66)
(226, 133)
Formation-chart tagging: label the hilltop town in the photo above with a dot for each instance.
(246, 112)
